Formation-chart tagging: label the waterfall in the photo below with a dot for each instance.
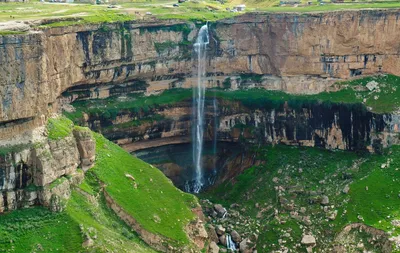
(230, 244)
(212, 178)
(215, 111)
(198, 107)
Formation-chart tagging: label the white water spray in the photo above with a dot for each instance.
(198, 106)
(230, 245)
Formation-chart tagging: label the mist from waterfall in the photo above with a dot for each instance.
(198, 107)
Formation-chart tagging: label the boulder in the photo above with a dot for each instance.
(346, 189)
(246, 246)
(220, 210)
(88, 243)
(220, 230)
(308, 240)
(236, 237)
(212, 234)
(372, 85)
(86, 147)
(213, 248)
(332, 215)
(222, 240)
(325, 200)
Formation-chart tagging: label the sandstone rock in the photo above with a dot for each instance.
(55, 196)
(86, 146)
(196, 230)
(325, 200)
(88, 243)
(213, 248)
(395, 223)
(212, 234)
(246, 246)
(372, 85)
(236, 237)
(220, 210)
(54, 159)
(222, 240)
(220, 230)
(308, 240)
(346, 189)
(333, 215)
(396, 241)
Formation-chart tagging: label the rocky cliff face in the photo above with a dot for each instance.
(296, 53)
(42, 173)
(331, 126)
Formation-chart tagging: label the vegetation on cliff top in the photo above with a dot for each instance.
(305, 175)
(75, 14)
(109, 108)
(58, 128)
(35, 10)
(385, 98)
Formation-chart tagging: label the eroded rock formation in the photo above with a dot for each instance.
(42, 173)
(297, 53)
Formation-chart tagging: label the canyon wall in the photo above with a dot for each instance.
(331, 126)
(43, 173)
(299, 53)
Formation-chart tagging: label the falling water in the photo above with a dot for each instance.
(215, 111)
(198, 106)
(230, 245)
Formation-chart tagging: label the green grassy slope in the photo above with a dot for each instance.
(155, 203)
(306, 174)
(37, 229)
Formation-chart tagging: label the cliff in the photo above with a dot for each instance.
(296, 53)
(42, 173)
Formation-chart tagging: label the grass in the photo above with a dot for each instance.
(98, 219)
(95, 17)
(323, 172)
(376, 196)
(386, 100)
(76, 14)
(109, 108)
(30, 230)
(331, 7)
(35, 10)
(37, 229)
(59, 128)
(156, 204)
(5, 33)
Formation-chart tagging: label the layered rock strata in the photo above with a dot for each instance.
(297, 53)
(41, 173)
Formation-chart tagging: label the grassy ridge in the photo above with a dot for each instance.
(58, 128)
(154, 202)
(151, 199)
